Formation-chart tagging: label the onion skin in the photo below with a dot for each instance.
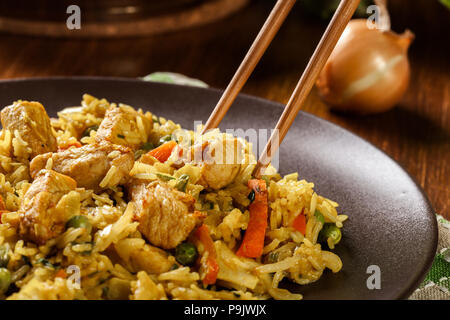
(368, 71)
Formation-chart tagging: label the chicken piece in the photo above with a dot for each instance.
(29, 121)
(125, 126)
(141, 256)
(166, 216)
(41, 218)
(220, 161)
(89, 164)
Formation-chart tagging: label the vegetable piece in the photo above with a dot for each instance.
(61, 274)
(182, 182)
(45, 262)
(251, 196)
(147, 146)
(368, 71)
(253, 242)
(162, 153)
(266, 179)
(2, 204)
(330, 230)
(186, 253)
(4, 255)
(164, 177)
(273, 257)
(319, 216)
(79, 222)
(299, 223)
(87, 131)
(165, 139)
(211, 266)
(5, 280)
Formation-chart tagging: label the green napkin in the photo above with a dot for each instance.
(436, 285)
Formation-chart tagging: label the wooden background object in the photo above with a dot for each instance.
(113, 19)
(416, 133)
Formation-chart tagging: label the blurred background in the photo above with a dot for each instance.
(207, 39)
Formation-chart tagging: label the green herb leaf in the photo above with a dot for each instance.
(182, 182)
(165, 177)
(87, 131)
(45, 262)
(251, 196)
(319, 216)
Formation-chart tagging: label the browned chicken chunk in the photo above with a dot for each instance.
(166, 216)
(93, 166)
(125, 126)
(29, 122)
(41, 214)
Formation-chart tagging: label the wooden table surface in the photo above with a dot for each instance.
(416, 133)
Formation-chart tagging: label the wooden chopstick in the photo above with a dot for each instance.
(259, 46)
(320, 56)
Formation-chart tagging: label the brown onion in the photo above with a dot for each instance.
(368, 71)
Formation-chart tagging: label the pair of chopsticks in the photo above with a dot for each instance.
(317, 61)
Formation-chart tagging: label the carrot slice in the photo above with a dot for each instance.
(61, 274)
(253, 242)
(2, 203)
(212, 267)
(299, 223)
(163, 152)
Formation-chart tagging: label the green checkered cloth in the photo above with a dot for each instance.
(436, 285)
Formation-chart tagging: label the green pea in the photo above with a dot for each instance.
(5, 280)
(79, 222)
(330, 230)
(87, 131)
(251, 196)
(186, 253)
(4, 256)
(165, 139)
(182, 182)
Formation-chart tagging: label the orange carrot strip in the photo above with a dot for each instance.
(61, 274)
(2, 203)
(299, 223)
(253, 242)
(163, 152)
(212, 267)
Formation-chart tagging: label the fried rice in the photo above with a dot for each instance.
(110, 256)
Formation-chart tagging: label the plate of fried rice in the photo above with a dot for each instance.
(108, 190)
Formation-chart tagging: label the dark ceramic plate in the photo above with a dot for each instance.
(391, 224)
